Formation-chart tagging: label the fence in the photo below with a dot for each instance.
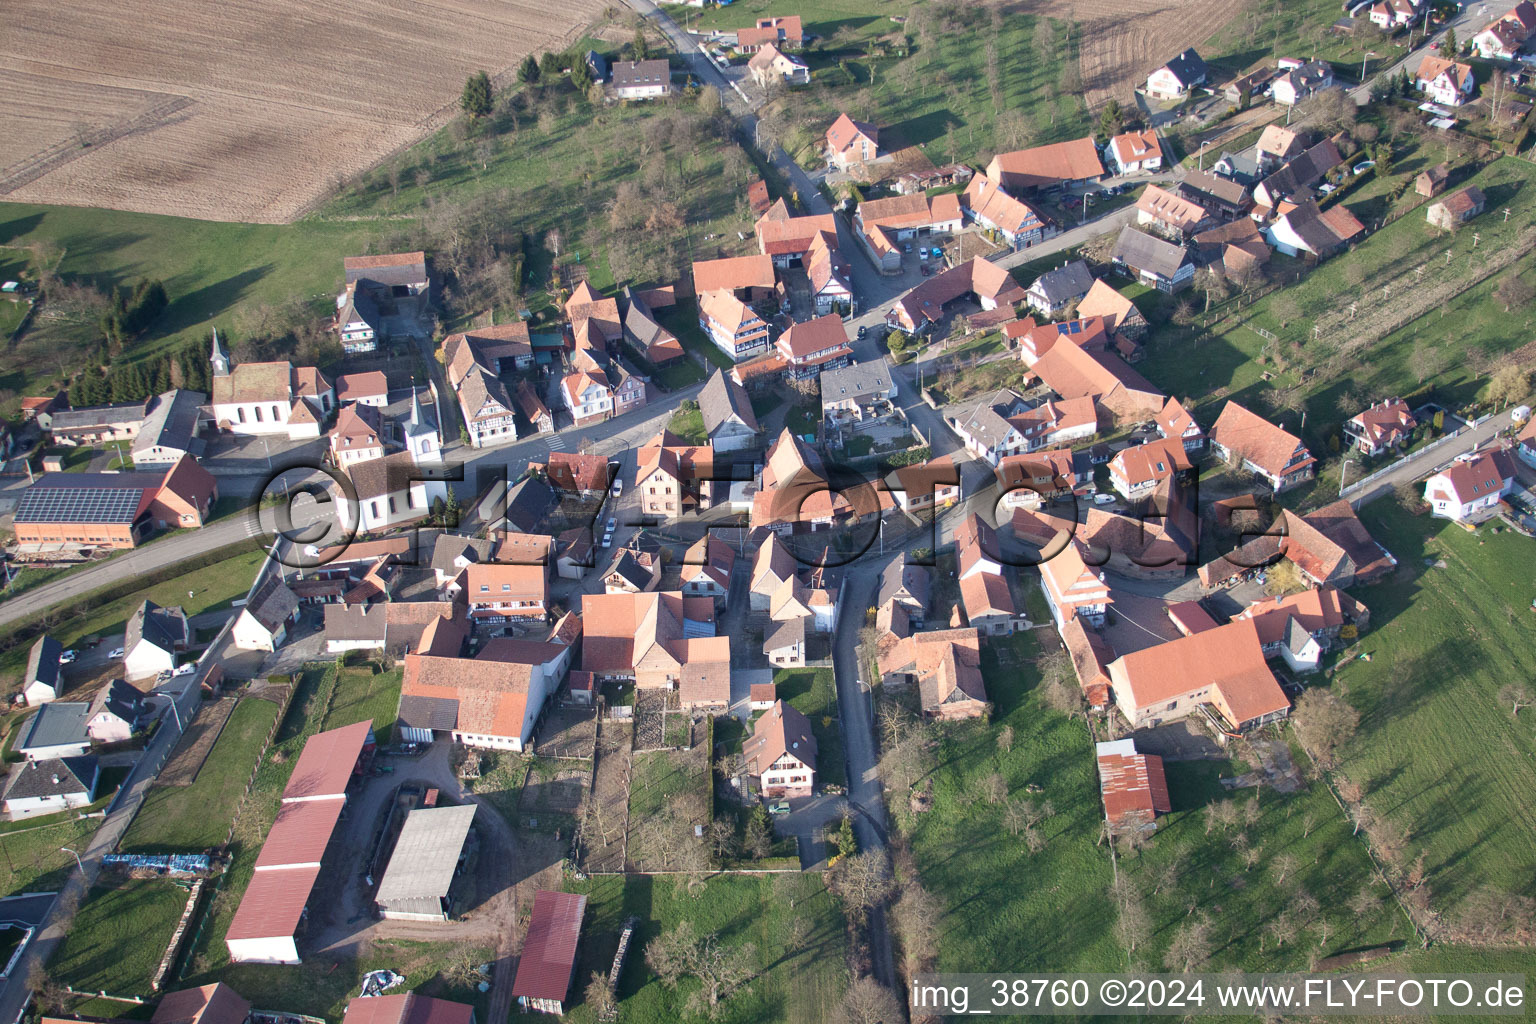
(1364, 482)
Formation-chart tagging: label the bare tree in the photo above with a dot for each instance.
(1167, 876)
(1281, 928)
(1514, 290)
(916, 916)
(599, 997)
(996, 788)
(1005, 739)
(861, 882)
(1033, 840)
(683, 953)
(1324, 722)
(1283, 866)
(1426, 361)
(1190, 947)
(722, 838)
(1133, 925)
(869, 1002)
(1364, 903)
(1516, 695)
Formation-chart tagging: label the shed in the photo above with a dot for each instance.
(549, 955)
(422, 867)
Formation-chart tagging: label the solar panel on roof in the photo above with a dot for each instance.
(79, 505)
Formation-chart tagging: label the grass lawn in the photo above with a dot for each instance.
(938, 96)
(189, 818)
(213, 587)
(683, 321)
(803, 419)
(31, 856)
(688, 425)
(1231, 360)
(1004, 906)
(1332, 865)
(361, 695)
(813, 692)
(1266, 31)
(801, 981)
(661, 776)
(117, 938)
(1436, 750)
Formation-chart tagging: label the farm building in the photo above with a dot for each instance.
(426, 858)
(549, 954)
(113, 510)
(1133, 786)
(209, 1004)
(263, 928)
(407, 1008)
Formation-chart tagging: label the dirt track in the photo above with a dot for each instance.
(284, 96)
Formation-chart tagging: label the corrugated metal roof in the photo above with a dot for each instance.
(549, 954)
(426, 853)
(407, 1008)
(273, 904)
(300, 833)
(326, 764)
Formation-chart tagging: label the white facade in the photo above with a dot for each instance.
(789, 775)
(250, 635)
(398, 506)
(1443, 89)
(39, 693)
(146, 659)
(276, 949)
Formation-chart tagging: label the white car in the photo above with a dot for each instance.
(117, 653)
(186, 670)
(618, 488)
(66, 657)
(1103, 499)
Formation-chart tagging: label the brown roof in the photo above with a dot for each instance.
(1091, 655)
(352, 386)
(549, 952)
(985, 593)
(1171, 209)
(782, 730)
(378, 477)
(573, 471)
(325, 765)
(1324, 608)
(987, 201)
(1133, 786)
(1133, 147)
(1155, 460)
(778, 236)
(1074, 372)
(209, 1004)
(394, 259)
(407, 1008)
(1103, 300)
(733, 273)
(845, 130)
(1047, 165)
(1228, 660)
(1254, 438)
(803, 340)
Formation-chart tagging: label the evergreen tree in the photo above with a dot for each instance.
(1449, 46)
(581, 75)
(476, 99)
(1111, 119)
(528, 70)
(550, 65)
(641, 46)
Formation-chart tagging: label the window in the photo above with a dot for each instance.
(240, 413)
(277, 417)
(391, 504)
(374, 508)
(1173, 705)
(506, 587)
(257, 410)
(484, 589)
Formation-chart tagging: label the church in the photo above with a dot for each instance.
(269, 398)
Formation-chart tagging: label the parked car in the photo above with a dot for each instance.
(185, 670)
(618, 487)
(607, 540)
(779, 807)
(1103, 499)
(613, 524)
(117, 653)
(863, 330)
(67, 657)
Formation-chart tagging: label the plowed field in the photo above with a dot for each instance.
(1123, 40)
(241, 109)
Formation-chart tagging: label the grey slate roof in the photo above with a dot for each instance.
(855, 381)
(356, 622)
(632, 74)
(171, 421)
(163, 627)
(1296, 636)
(272, 603)
(54, 776)
(426, 853)
(120, 700)
(899, 576)
(439, 714)
(638, 321)
(1062, 285)
(1302, 171)
(629, 568)
(987, 421)
(785, 634)
(527, 501)
(1187, 67)
(1142, 251)
(449, 546)
(57, 724)
(66, 420)
(722, 398)
(43, 662)
(1241, 168)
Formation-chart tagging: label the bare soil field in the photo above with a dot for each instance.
(240, 110)
(192, 750)
(1122, 41)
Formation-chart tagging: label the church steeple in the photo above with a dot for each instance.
(219, 360)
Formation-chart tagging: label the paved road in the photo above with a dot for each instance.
(1468, 23)
(1421, 464)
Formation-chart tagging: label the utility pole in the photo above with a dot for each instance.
(70, 850)
(1343, 469)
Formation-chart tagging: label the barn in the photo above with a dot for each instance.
(424, 863)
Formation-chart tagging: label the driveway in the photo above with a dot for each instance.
(808, 820)
(1426, 462)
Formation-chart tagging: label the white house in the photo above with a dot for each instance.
(641, 80)
(1301, 82)
(55, 784)
(729, 419)
(44, 680)
(1447, 82)
(1392, 15)
(589, 399)
(1175, 79)
(116, 713)
(357, 320)
(781, 752)
(1506, 37)
(264, 621)
(770, 64)
(152, 639)
(1133, 152)
(1473, 484)
(57, 730)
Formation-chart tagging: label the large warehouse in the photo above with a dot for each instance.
(272, 908)
(421, 870)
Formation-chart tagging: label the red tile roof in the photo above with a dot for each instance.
(208, 1004)
(301, 832)
(407, 1008)
(273, 903)
(1047, 165)
(1256, 439)
(1228, 661)
(549, 953)
(325, 766)
(732, 274)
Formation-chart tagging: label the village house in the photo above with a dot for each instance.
(946, 666)
(885, 225)
(1174, 80)
(634, 572)
(1072, 588)
(781, 752)
(1175, 422)
(1135, 472)
(1120, 314)
(1015, 221)
(784, 32)
(829, 275)
(496, 593)
(1155, 262)
(729, 421)
(1090, 333)
(44, 681)
(1300, 627)
(97, 424)
(1430, 183)
(1471, 486)
(1391, 15)
(1277, 146)
(373, 286)
(1447, 82)
(1329, 547)
(707, 567)
(1525, 442)
(371, 388)
(770, 65)
(813, 346)
(269, 398)
(772, 566)
(856, 392)
(908, 585)
(673, 478)
(49, 785)
(988, 603)
(925, 486)
(1237, 249)
(1241, 90)
(152, 639)
(489, 416)
(263, 623)
(1136, 151)
(1055, 290)
(1057, 421)
(851, 142)
(1029, 480)
(1218, 196)
(987, 430)
(784, 646)
(1457, 208)
(1300, 83)
(1319, 233)
(358, 321)
(589, 399)
(1386, 425)
(1505, 37)
(1217, 672)
(796, 495)
(1270, 453)
(1119, 393)
(988, 284)
(1133, 786)
(1296, 177)
(358, 436)
(1060, 164)
(660, 640)
(651, 341)
(733, 325)
(640, 80)
(116, 713)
